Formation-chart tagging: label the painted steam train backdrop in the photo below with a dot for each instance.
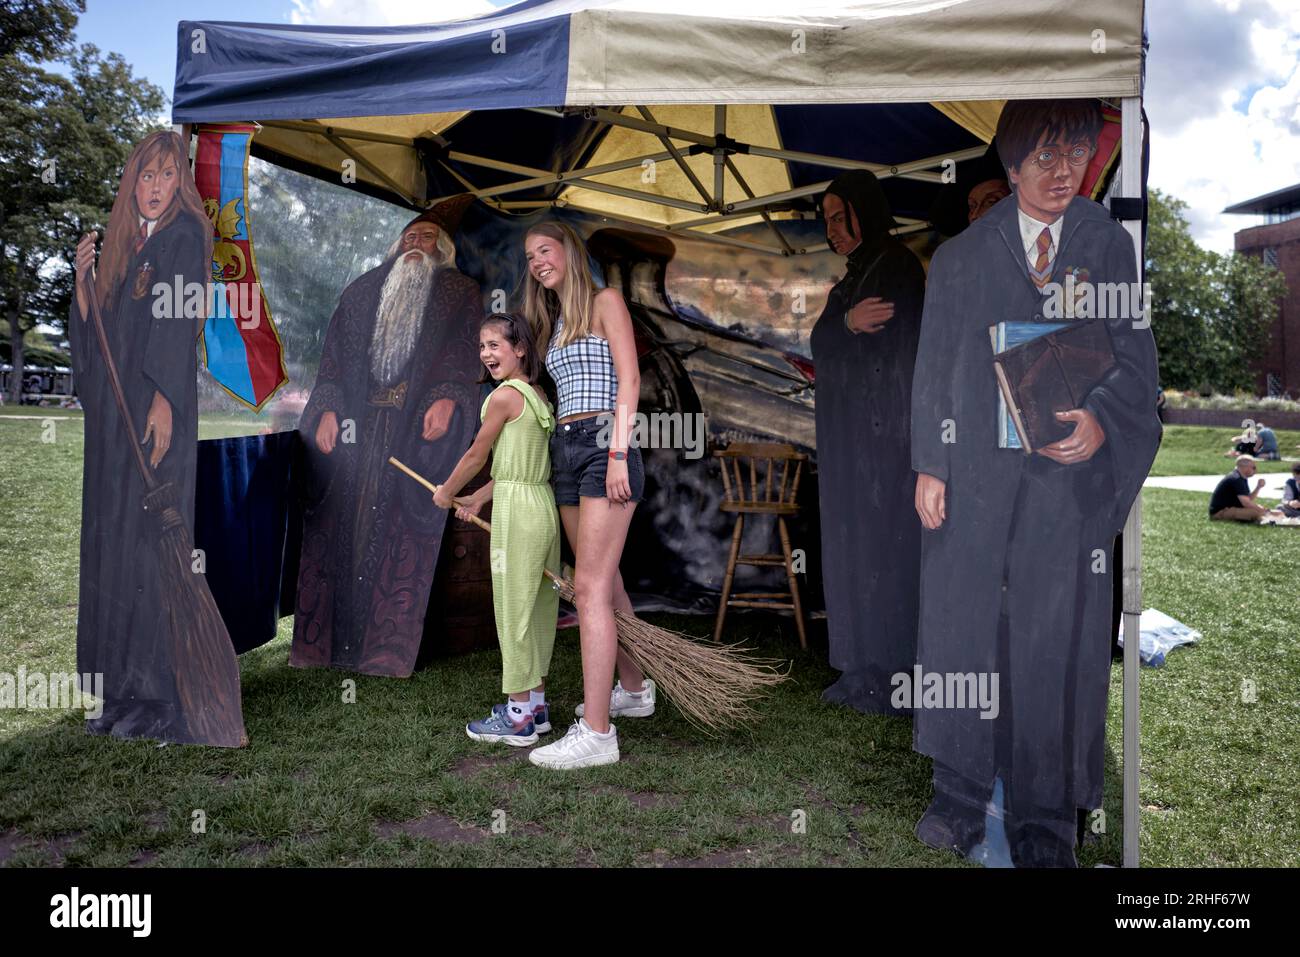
(721, 330)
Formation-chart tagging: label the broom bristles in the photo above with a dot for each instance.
(207, 673)
(714, 686)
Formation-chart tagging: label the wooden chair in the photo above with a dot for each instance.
(760, 478)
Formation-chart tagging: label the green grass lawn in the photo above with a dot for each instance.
(393, 780)
(1198, 450)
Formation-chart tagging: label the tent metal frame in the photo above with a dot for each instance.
(714, 206)
(1130, 186)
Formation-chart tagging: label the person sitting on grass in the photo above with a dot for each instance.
(1243, 444)
(1233, 501)
(1266, 444)
(1290, 507)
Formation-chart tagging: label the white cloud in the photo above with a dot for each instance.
(1207, 148)
(385, 13)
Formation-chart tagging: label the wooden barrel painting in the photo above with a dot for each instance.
(460, 617)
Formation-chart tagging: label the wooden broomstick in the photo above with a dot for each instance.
(712, 685)
(207, 674)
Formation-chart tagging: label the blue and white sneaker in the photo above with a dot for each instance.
(498, 727)
(541, 717)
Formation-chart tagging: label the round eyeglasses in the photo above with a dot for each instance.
(1077, 155)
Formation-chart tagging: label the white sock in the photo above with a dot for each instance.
(535, 698)
(518, 710)
(594, 731)
(635, 694)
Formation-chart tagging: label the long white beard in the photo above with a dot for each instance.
(399, 317)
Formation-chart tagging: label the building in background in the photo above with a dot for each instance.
(1277, 242)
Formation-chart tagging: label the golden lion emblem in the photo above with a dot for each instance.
(228, 262)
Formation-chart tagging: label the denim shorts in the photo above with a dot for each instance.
(579, 460)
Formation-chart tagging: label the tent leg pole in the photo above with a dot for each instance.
(1132, 613)
(1131, 186)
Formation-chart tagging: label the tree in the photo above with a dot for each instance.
(1210, 314)
(63, 141)
(41, 29)
(1255, 292)
(312, 238)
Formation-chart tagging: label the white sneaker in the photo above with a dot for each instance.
(624, 704)
(580, 748)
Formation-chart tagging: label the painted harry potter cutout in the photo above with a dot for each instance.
(397, 378)
(145, 618)
(1012, 591)
(864, 347)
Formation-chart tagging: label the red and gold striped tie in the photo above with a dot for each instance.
(1042, 270)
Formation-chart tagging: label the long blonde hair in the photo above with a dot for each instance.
(576, 303)
(119, 242)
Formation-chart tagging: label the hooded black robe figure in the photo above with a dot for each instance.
(871, 537)
(1015, 580)
(397, 377)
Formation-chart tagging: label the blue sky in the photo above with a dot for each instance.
(144, 31)
(1223, 81)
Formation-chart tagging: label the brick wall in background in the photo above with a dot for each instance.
(1283, 358)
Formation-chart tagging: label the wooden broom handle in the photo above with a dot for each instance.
(87, 280)
(392, 460)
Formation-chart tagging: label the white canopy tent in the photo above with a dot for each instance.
(704, 89)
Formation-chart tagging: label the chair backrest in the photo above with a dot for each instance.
(763, 475)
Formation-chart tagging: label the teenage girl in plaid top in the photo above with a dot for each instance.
(586, 336)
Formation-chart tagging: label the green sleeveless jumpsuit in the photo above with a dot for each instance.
(525, 540)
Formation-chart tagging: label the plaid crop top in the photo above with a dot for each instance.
(584, 374)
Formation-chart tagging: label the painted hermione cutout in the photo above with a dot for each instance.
(864, 348)
(397, 378)
(1015, 580)
(146, 619)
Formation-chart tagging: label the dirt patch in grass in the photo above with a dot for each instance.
(776, 823)
(434, 827)
(849, 815)
(772, 855)
(255, 850)
(11, 842)
(732, 857)
(641, 799)
(54, 849)
(469, 766)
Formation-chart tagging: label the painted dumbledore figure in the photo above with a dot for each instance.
(397, 378)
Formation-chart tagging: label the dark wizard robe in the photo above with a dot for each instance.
(371, 535)
(123, 629)
(871, 535)
(1016, 581)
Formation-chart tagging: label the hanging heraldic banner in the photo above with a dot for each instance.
(241, 347)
